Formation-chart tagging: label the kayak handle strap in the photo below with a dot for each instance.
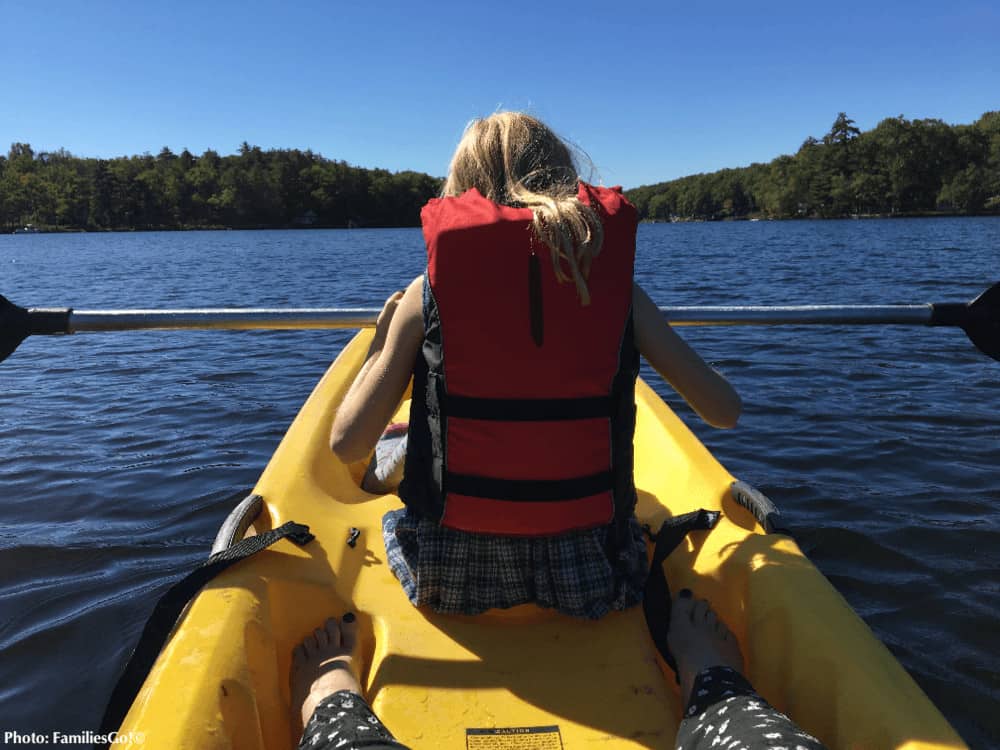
(168, 609)
(234, 528)
(755, 501)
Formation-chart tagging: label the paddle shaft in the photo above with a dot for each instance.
(75, 321)
(980, 318)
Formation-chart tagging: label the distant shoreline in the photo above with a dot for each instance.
(679, 220)
(103, 230)
(846, 217)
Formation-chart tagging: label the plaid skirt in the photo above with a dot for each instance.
(457, 572)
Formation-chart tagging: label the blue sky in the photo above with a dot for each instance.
(651, 91)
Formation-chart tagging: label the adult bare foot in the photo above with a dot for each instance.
(698, 639)
(323, 664)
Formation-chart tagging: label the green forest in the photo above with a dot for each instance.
(251, 189)
(899, 168)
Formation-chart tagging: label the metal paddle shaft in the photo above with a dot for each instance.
(331, 317)
(761, 315)
(980, 318)
(245, 319)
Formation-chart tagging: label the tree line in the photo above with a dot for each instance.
(251, 189)
(900, 167)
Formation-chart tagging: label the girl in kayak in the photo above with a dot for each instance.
(522, 340)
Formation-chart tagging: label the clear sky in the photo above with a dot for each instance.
(650, 90)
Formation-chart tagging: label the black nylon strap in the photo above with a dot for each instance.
(168, 609)
(529, 490)
(528, 409)
(656, 603)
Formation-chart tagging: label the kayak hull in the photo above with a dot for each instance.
(523, 678)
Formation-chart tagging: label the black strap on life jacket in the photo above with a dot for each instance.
(530, 490)
(529, 409)
(169, 608)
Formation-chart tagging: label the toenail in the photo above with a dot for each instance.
(348, 617)
(684, 593)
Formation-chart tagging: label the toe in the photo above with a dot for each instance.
(322, 638)
(349, 632)
(700, 611)
(333, 632)
(711, 620)
(298, 655)
(309, 646)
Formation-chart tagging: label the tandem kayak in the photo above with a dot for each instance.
(518, 679)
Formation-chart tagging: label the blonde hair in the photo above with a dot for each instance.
(515, 160)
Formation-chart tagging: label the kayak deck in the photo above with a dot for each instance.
(525, 678)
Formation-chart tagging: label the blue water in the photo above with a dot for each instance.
(121, 453)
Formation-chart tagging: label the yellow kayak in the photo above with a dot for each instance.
(519, 679)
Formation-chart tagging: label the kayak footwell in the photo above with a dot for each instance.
(588, 684)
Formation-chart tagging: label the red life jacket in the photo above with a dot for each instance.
(523, 408)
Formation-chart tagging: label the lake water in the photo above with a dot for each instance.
(120, 454)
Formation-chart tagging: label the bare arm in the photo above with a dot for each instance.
(382, 380)
(705, 390)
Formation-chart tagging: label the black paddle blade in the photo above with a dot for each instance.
(16, 324)
(13, 327)
(983, 324)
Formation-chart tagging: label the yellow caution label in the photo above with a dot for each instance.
(514, 738)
